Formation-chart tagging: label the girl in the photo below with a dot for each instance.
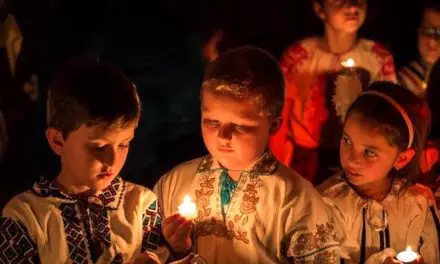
(376, 197)
(305, 138)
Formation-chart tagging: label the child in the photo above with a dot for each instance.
(383, 211)
(87, 214)
(308, 139)
(251, 209)
(430, 159)
(415, 75)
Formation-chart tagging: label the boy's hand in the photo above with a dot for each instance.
(177, 232)
(146, 258)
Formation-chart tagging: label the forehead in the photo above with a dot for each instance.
(103, 132)
(431, 18)
(226, 105)
(365, 132)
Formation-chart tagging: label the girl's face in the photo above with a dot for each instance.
(343, 15)
(366, 155)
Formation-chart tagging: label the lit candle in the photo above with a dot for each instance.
(349, 63)
(407, 256)
(188, 208)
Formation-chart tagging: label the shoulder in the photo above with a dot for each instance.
(334, 187)
(26, 204)
(302, 48)
(375, 47)
(419, 195)
(138, 195)
(186, 169)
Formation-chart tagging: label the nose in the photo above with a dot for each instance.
(225, 132)
(109, 157)
(353, 160)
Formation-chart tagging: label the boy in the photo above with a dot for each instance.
(309, 138)
(87, 214)
(415, 75)
(251, 209)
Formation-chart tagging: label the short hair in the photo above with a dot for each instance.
(87, 92)
(429, 5)
(248, 73)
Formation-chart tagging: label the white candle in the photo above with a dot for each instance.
(188, 208)
(349, 63)
(407, 256)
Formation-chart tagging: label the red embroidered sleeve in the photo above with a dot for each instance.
(387, 71)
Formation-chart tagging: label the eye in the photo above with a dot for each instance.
(242, 128)
(124, 146)
(211, 123)
(346, 140)
(370, 153)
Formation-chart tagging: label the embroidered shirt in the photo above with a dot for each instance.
(402, 219)
(309, 117)
(274, 215)
(414, 77)
(114, 226)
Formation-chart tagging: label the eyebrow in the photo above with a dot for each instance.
(366, 146)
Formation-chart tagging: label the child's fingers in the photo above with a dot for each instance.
(183, 231)
(170, 228)
(171, 219)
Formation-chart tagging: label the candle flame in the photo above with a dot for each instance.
(409, 248)
(349, 63)
(187, 199)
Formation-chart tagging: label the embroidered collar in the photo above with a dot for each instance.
(109, 197)
(265, 165)
(342, 189)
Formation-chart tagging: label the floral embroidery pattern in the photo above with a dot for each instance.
(307, 243)
(234, 227)
(326, 257)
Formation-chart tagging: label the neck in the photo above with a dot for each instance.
(375, 190)
(338, 42)
(64, 182)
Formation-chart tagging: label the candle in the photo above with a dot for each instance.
(349, 63)
(407, 256)
(188, 208)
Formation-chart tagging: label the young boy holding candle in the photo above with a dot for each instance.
(308, 139)
(87, 214)
(250, 208)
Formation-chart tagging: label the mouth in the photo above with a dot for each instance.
(225, 150)
(353, 173)
(105, 175)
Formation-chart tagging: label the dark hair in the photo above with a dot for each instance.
(248, 73)
(87, 92)
(384, 116)
(433, 98)
(429, 4)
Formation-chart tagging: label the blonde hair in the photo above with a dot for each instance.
(248, 73)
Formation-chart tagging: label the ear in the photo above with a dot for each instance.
(55, 139)
(275, 125)
(404, 158)
(319, 10)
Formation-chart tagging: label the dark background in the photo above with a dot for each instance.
(65, 28)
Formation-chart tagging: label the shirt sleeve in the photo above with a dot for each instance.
(430, 237)
(315, 233)
(16, 245)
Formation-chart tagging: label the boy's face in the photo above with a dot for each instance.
(429, 36)
(235, 132)
(342, 15)
(92, 157)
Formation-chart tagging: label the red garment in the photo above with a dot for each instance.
(307, 102)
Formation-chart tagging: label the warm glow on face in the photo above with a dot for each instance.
(349, 63)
